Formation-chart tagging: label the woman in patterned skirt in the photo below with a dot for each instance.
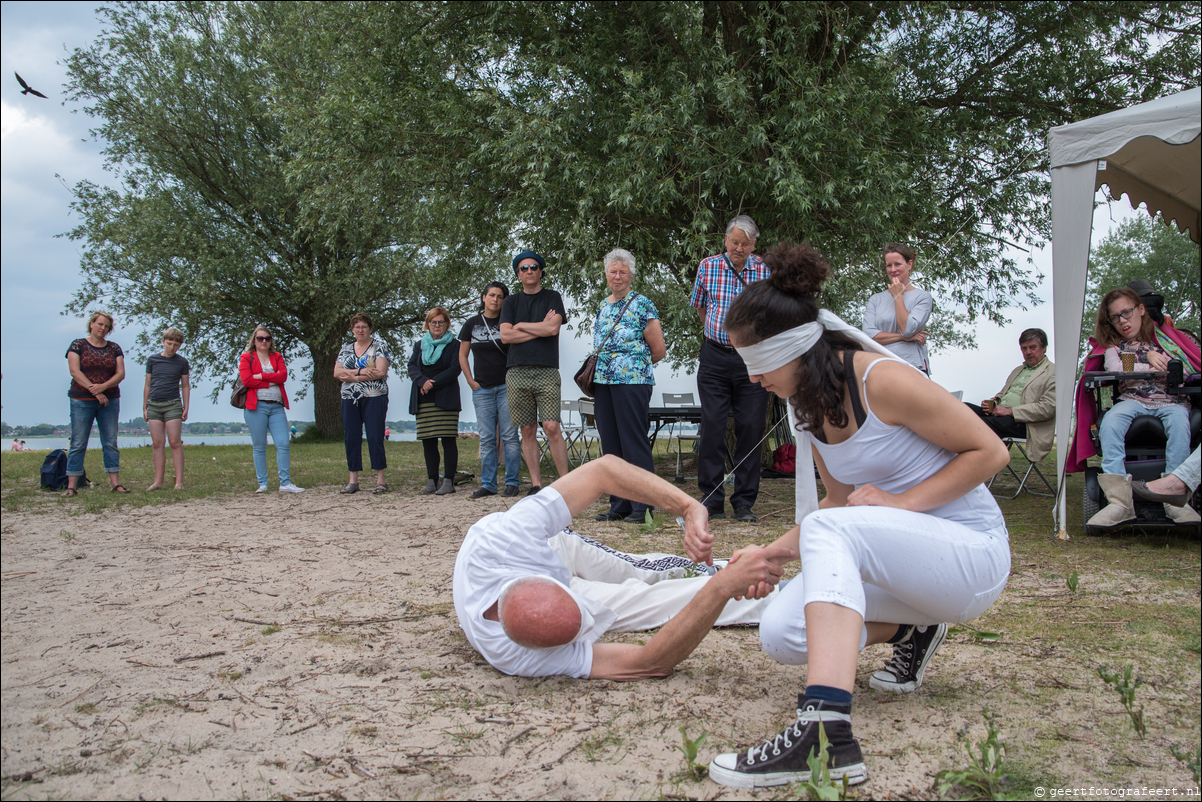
(434, 398)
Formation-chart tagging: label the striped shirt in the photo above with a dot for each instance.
(716, 289)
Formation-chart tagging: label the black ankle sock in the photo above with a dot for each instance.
(826, 693)
(901, 633)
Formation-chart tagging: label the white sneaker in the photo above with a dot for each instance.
(262, 489)
(291, 488)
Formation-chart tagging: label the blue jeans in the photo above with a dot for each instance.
(273, 418)
(491, 403)
(82, 414)
(1116, 422)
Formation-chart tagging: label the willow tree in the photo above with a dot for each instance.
(848, 124)
(209, 225)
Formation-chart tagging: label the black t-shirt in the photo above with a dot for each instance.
(165, 374)
(524, 308)
(488, 352)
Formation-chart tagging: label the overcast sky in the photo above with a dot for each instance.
(47, 150)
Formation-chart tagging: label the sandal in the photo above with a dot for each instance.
(380, 488)
(119, 489)
(71, 491)
(353, 487)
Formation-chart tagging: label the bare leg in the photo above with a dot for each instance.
(380, 477)
(174, 429)
(559, 448)
(354, 480)
(530, 453)
(158, 442)
(833, 634)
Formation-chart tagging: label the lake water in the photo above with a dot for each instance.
(134, 441)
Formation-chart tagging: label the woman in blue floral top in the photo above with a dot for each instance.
(624, 375)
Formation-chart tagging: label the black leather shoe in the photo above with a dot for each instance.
(745, 515)
(717, 516)
(636, 517)
(608, 516)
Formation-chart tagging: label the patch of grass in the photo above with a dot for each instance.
(1125, 683)
(368, 730)
(85, 709)
(270, 629)
(982, 777)
(229, 676)
(209, 471)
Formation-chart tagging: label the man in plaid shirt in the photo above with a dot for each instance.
(722, 381)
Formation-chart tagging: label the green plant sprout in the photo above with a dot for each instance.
(651, 521)
(978, 635)
(983, 777)
(1071, 581)
(1189, 759)
(689, 750)
(820, 786)
(1125, 685)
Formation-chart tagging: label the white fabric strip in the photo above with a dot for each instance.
(778, 351)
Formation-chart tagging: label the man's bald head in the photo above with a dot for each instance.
(538, 614)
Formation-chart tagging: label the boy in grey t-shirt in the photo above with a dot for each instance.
(165, 406)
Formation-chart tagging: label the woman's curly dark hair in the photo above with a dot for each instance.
(786, 299)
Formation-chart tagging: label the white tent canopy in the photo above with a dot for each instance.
(1153, 154)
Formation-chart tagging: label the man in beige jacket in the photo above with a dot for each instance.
(1026, 407)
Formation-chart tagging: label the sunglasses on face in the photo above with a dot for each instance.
(531, 268)
(263, 339)
(1124, 315)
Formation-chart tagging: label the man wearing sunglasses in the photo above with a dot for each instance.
(530, 322)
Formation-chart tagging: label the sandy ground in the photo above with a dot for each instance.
(303, 647)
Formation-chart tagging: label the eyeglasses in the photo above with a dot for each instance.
(531, 268)
(1124, 315)
(439, 322)
(266, 339)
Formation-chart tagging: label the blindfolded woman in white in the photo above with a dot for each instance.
(906, 539)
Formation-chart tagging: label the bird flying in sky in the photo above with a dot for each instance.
(28, 90)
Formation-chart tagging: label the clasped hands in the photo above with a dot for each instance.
(753, 571)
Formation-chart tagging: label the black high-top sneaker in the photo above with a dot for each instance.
(903, 673)
(784, 759)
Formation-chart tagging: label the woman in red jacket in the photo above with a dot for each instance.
(263, 372)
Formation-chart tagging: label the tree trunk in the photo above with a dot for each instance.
(327, 403)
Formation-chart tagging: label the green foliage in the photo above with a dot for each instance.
(1126, 682)
(1147, 248)
(1071, 580)
(689, 749)
(820, 786)
(982, 777)
(209, 227)
(648, 125)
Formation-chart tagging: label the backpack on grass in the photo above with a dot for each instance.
(54, 471)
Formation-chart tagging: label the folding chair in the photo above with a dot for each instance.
(588, 431)
(571, 431)
(1019, 442)
(680, 400)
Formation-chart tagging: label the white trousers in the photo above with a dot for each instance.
(643, 590)
(890, 566)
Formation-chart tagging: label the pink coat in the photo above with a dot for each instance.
(1082, 448)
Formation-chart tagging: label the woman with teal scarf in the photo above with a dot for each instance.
(434, 399)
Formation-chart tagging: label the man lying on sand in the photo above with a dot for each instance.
(532, 598)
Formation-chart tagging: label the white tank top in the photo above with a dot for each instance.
(894, 459)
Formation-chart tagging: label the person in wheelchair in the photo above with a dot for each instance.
(1125, 327)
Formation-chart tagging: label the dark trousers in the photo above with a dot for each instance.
(366, 413)
(430, 450)
(1002, 425)
(723, 386)
(621, 415)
